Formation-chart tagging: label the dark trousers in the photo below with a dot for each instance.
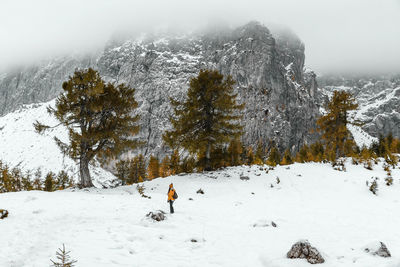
(171, 208)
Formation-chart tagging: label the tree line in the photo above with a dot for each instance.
(102, 122)
(14, 180)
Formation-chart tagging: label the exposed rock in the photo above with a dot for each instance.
(378, 98)
(274, 224)
(158, 215)
(282, 101)
(244, 177)
(378, 249)
(303, 250)
(200, 191)
(3, 213)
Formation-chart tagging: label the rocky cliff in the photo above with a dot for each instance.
(282, 100)
(378, 98)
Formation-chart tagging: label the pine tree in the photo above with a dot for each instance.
(207, 117)
(141, 166)
(37, 183)
(249, 156)
(333, 125)
(64, 259)
(153, 170)
(5, 179)
(26, 182)
(174, 164)
(63, 180)
(350, 148)
(287, 158)
(122, 171)
(188, 164)
(49, 182)
(234, 152)
(317, 152)
(304, 154)
(16, 180)
(165, 167)
(259, 156)
(274, 157)
(98, 118)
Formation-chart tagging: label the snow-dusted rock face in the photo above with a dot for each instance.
(378, 99)
(281, 98)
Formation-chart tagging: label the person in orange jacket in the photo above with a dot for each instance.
(172, 196)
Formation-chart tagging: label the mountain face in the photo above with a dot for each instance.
(282, 99)
(378, 98)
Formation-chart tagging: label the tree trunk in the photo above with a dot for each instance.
(208, 158)
(86, 180)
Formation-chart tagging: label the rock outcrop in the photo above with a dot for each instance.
(158, 215)
(282, 100)
(378, 98)
(303, 250)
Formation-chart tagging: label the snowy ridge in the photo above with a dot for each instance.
(361, 137)
(229, 225)
(21, 146)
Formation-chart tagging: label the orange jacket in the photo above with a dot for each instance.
(171, 192)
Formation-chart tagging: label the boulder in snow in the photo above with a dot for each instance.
(3, 213)
(200, 191)
(378, 249)
(303, 250)
(244, 178)
(158, 215)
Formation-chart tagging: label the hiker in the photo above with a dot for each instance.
(172, 195)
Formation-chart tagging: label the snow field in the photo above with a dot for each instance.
(107, 227)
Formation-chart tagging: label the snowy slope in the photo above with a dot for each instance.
(21, 146)
(107, 227)
(361, 137)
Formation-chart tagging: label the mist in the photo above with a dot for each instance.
(354, 36)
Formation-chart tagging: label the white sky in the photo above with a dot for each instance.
(339, 35)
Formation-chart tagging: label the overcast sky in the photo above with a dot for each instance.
(346, 35)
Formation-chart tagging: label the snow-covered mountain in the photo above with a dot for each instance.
(282, 100)
(229, 225)
(378, 98)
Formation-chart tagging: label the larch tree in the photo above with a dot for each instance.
(99, 119)
(274, 157)
(287, 158)
(333, 125)
(153, 170)
(207, 118)
(165, 167)
(235, 150)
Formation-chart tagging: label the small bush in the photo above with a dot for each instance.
(389, 180)
(373, 185)
(338, 165)
(140, 189)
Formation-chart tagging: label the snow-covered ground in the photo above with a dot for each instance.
(21, 146)
(231, 222)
